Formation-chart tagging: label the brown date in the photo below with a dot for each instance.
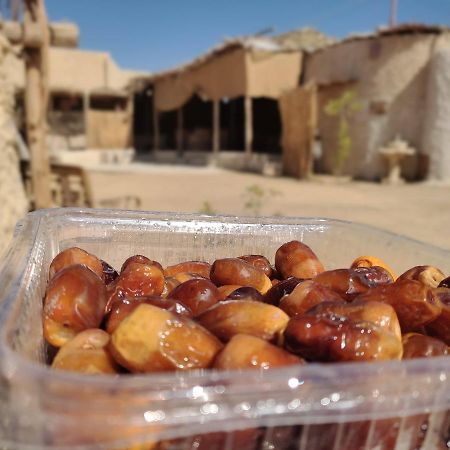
(337, 338)
(75, 300)
(109, 273)
(136, 280)
(259, 262)
(239, 272)
(306, 295)
(445, 283)
(246, 293)
(440, 327)
(295, 259)
(86, 353)
(140, 259)
(230, 317)
(371, 261)
(197, 294)
(428, 275)
(75, 255)
(122, 308)
(380, 314)
(248, 352)
(227, 289)
(280, 289)
(152, 339)
(198, 267)
(349, 283)
(417, 345)
(414, 303)
(172, 282)
(247, 439)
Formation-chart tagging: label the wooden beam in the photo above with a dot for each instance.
(36, 102)
(86, 103)
(248, 128)
(155, 127)
(216, 127)
(180, 131)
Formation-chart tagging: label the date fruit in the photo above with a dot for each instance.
(75, 255)
(238, 272)
(246, 352)
(230, 317)
(152, 339)
(75, 300)
(295, 259)
(86, 353)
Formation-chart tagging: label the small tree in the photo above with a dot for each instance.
(343, 107)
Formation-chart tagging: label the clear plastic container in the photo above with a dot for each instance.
(371, 406)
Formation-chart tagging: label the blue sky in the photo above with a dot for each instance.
(153, 34)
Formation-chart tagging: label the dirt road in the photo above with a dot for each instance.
(418, 210)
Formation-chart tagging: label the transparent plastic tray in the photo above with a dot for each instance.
(371, 406)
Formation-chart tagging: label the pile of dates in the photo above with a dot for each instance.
(239, 312)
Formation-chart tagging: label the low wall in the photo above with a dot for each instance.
(14, 204)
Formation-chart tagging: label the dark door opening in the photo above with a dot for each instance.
(232, 124)
(197, 124)
(143, 120)
(266, 126)
(167, 130)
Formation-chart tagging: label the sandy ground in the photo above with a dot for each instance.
(420, 211)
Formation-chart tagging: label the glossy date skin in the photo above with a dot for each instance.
(417, 345)
(75, 255)
(428, 275)
(440, 327)
(86, 353)
(332, 332)
(201, 268)
(280, 289)
(109, 273)
(245, 293)
(415, 303)
(235, 271)
(259, 262)
(198, 295)
(295, 259)
(151, 339)
(140, 259)
(136, 280)
(75, 300)
(230, 317)
(349, 283)
(122, 308)
(249, 352)
(306, 295)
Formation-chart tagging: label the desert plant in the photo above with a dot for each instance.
(256, 197)
(207, 208)
(343, 107)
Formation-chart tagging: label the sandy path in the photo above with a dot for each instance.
(417, 210)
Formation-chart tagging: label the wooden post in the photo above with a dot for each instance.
(155, 127)
(130, 115)
(216, 128)
(36, 98)
(86, 104)
(180, 132)
(248, 112)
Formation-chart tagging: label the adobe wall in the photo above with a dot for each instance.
(13, 201)
(390, 75)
